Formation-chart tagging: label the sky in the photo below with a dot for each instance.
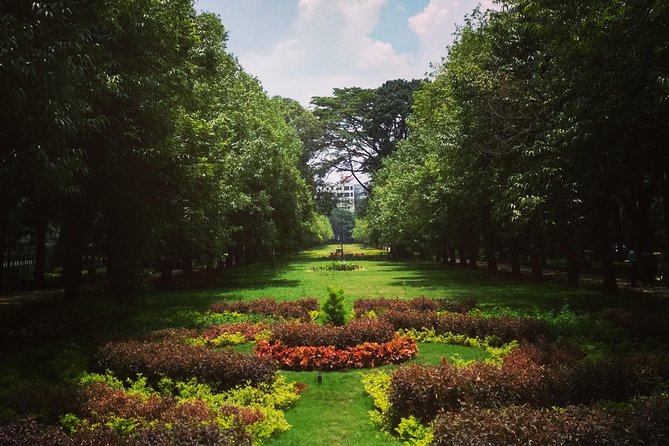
(304, 48)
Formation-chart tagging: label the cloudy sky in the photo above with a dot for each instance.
(304, 48)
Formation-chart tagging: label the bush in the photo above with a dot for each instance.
(337, 266)
(528, 375)
(298, 309)
(213, 334)
(334, 310)
(355, 332)
(27, 432)
(367, 354)
(381, 305)
(506, 329)
(640, 325)
(644, 421)
(177, 361)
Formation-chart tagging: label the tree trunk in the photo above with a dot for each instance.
(187, 259)
(166, 266)
(472, 245)
(489, 242)
(535, 262)
(573, 273)
(452, 257)
(609, 284)
(73, 240)
(41, 224)
(514, 255)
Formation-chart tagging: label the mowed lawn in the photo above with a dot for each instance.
(334, 412)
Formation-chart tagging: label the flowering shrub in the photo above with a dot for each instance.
(28, 432)
(381, 305)
(132, 406)
(248, 332)
(341, 265)
(355, 332)
(528, 375)
(355, 256)
(180, 361)
(506, 329)
(298, 309)
(497, 352)
(644, 421)
(367, 354)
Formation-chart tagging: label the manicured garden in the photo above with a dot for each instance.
(386, 353)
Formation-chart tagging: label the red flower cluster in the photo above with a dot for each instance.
(355, 332)
(367, 354)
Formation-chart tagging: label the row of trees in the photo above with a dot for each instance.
(544, 130)
(128, 129)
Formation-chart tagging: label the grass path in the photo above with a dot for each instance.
(336, 411)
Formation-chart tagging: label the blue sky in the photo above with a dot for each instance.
(304, 48)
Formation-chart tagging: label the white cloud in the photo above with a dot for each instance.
(330, 45)
(434, 27)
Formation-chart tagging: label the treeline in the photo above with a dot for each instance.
(128, 131)
(544, 131)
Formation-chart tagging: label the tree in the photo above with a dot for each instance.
(363, 126)
(342, 222)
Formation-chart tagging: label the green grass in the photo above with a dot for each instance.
(333, 413)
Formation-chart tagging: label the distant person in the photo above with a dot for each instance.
(633, 267)
(647, 269)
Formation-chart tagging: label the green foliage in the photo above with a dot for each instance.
(491, 345)
(333, 308)
(342, 222)
(259, 408)
(362, 232)
(377, 386)
(414, 433)
(362, 126)
(70, 364)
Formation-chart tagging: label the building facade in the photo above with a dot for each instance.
(348, 192)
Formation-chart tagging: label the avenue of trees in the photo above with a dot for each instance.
(544, 130)
(129, 132)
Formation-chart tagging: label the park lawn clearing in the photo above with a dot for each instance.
(336, 411)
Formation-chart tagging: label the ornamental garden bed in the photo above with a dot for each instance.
(523, 383)
(535, 388)
(340, 265)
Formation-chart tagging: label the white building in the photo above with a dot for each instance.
(348, 192)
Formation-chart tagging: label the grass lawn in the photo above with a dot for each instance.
(40, 339)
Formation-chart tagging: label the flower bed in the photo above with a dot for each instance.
(131, 412)
(169, 358)
(28, 432)
(506, 329)
(644, 421)
(337, 266)
(355, 332)
(381, 305)
(527, 376)
(367, 354)
(236, 333)
(297, 309)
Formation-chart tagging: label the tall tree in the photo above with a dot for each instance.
(363, 126)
